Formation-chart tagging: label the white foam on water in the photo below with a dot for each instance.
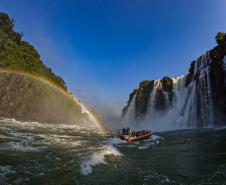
(4, 171)
(114, 141)
(32, 125)
(142, 147)
(27, 141)
(155, 137)
(98, 158)
(22, 147)
(63, 140)
(147, 143)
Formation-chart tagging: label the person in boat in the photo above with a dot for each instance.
(130, 133)
(127, 130)
(123, 131)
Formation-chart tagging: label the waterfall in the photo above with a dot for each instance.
(207, 101)
(130, 115)
(198, 111)
(151, 103)
(131, 110)
(191, 105)
(189, 109)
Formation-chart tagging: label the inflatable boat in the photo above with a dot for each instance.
(131, 136)
(137, 138)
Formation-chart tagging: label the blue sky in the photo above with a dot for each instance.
(104, 48)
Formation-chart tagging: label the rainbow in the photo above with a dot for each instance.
(93, 118)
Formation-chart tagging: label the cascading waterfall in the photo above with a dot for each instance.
(151, 104)
(130, 115)
(198, 111)
(191, 105)
(206, 93)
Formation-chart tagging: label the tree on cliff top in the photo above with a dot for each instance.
(220, 38)
(16, 54)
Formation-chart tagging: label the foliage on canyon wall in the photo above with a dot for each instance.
(17, 54)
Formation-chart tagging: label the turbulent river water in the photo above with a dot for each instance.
(50, 154)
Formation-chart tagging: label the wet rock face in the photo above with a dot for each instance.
(29, 99)
(160, 103)
(142, 97)
(190, 75)
(167, 87)
(167, 84)
(218, 77)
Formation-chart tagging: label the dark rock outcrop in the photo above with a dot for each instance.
(218, 77)
(142, 97)
(160, 101)
(190, 75)
(167, 84)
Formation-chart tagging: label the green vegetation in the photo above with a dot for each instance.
(220, 38)
(145, 83)
(19, 55)
(167, 84)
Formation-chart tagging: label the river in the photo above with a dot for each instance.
(59, 154)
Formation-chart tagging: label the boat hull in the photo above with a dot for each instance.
(132, 139)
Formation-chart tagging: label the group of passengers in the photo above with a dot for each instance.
(128, 131)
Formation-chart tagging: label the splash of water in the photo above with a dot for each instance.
(98, 158)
